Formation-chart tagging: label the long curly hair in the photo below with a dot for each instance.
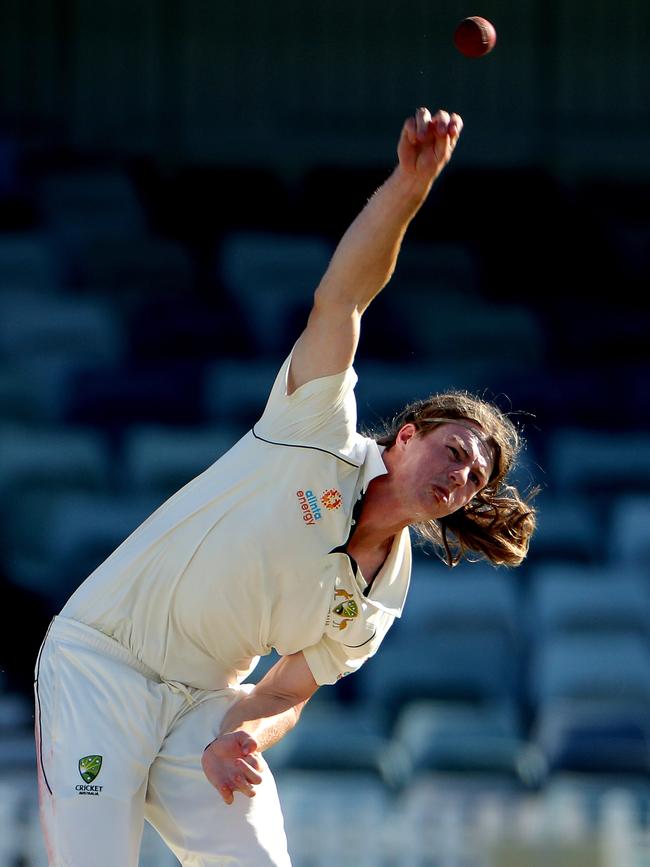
(497, 523)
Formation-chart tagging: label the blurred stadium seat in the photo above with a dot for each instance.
(82, 196)
(132, 268)
(591, 463)
(202, 200)
(439, 265)
(569, 528)
(629, 536)
(441, 807)
(469, 596)
(334, 817)
(13, 799)
(596, 737)
(603, 666)
(27, 263)
(273, 278)
(115, 397)
(36, 327)
(15, 712)
(75, 532)
(236, 391)
(480, 338)
(84, 530)
(469, 665)
(20, 401)
(570, 598)
(331, 738)
(51, 459)
(456, 737)
(602, 793)
(17, 753)
(160, 460)
(100, 233)
(180, 326)
(384, 388)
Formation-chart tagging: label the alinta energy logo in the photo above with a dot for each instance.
(311, 507)
(332, 499)
(89, 768)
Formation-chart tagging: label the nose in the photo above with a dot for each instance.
(458, 476)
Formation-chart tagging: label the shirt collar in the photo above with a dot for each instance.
(391, 584)
(373, 464)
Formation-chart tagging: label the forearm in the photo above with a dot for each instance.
(254, 723)
(367, 254)
(266, 718)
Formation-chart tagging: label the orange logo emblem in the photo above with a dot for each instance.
(332, 499)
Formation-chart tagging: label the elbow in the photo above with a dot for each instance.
(284, 699)
(337, 303)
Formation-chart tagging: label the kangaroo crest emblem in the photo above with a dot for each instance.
(347, 609)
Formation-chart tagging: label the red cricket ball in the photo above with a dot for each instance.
(475, 36)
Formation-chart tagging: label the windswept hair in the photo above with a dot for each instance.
(497, 523)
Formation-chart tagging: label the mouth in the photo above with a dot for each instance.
(441, 494)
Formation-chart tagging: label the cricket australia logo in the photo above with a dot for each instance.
(89, 768)
(347, 610)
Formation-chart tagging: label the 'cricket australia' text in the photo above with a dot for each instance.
(88, 790)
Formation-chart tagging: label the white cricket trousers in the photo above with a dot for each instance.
(115, 745)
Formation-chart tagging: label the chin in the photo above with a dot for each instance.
(432, 515)
(445, 511)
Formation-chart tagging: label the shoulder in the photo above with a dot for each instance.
(321, 409)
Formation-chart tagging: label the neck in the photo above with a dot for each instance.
(380, 519)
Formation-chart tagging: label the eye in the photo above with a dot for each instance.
(455, 453)
(474, 479)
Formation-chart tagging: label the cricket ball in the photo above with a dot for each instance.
(475, 36)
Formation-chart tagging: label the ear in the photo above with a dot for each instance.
(405, 434)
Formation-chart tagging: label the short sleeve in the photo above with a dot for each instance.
(331, 659)
(320, 413)
(357, 623)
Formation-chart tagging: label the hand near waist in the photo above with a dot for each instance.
(231, 763)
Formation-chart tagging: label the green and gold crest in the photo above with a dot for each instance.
(348, 608)
(89, 768)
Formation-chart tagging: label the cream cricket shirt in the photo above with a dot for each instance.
(241, 559)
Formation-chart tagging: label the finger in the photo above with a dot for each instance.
(407, 144)
(240, 784)
(253, 761)
(226, 794)
(251, 775)
(455, 125)
(422, 123)
(248, 744)
(440, 122)
(409, 131)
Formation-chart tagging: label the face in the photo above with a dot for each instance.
(438, 472)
